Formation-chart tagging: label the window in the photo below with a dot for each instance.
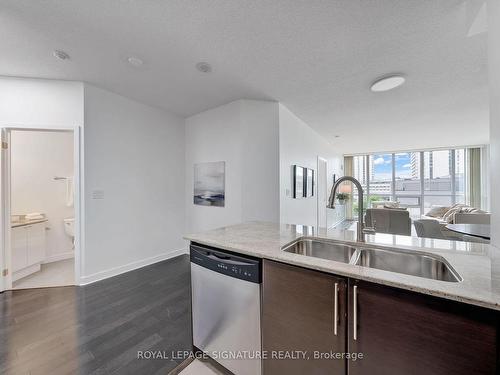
(417, 179)
(438, 178)
(380, 177)
(460, 177)
(407, 173)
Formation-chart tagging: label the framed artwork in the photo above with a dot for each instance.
(310, 183)
(209, 184)
(298, 182)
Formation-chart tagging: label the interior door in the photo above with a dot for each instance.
(322, 192)
(5, 276)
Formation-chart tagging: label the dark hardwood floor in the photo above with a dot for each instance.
(99, 328)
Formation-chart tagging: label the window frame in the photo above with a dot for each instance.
(394, 196)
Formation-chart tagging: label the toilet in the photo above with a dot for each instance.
(69, 226)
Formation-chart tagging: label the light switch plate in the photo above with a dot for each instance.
(97, 194)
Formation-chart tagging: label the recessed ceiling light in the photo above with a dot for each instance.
(204, 67)
(61, 55)
(135, 61)
(387, 83)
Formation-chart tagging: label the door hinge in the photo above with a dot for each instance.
(5, 272)
(5, 145)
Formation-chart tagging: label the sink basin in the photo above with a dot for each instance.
(322, 249)
(408, 263)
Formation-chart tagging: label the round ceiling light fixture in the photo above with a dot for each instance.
(135, 61)
(204, 67)
(387, 83)
(61, 55)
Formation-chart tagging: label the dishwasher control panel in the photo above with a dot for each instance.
(240, 267)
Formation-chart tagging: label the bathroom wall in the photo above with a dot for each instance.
(301, 145)
(244, 134)
(36, 157)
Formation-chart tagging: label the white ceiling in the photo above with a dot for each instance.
(317, 57)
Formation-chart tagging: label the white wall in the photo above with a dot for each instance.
(244, 134)
(133, 152)
(36, 157)
(134, 155)
(41, 103)
(260, 160)
(494, 80)
(301, 145)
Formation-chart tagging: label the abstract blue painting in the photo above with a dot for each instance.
(209, 184)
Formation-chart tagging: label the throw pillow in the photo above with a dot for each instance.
(437, 211)
(450, 214)
(391, 205)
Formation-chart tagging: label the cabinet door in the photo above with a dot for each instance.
(401, 332)
(19, 246)
(36, 243)
(298, 308)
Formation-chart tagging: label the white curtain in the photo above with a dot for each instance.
(349, 171)
(474, 177)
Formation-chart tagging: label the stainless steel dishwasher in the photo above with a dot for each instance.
(226, 308)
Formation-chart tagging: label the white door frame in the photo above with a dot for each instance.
(5, 253)
(4, 221)
(321, 205)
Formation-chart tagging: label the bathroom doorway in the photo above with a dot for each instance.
(40, 198)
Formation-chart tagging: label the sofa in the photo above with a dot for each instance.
(389, 220)
(457, 214)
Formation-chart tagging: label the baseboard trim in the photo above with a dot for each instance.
(115, 271)
(58, 257)
(25, 272)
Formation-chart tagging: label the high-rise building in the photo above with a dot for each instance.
(415, 165)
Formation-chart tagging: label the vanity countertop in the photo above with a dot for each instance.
(22, 223)
(478, 264)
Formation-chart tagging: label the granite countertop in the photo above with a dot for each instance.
(22, 223)
(478, 264)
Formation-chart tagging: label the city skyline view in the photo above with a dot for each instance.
(437, 164)
(439, 181)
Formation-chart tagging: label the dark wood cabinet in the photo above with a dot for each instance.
(402, 332)
(299, 314)
(397, 331)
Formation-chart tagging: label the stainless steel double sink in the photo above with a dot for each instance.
(408, 262)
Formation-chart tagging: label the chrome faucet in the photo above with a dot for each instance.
(331, 204)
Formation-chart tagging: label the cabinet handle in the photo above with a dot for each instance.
(355, 312)
(335, 308)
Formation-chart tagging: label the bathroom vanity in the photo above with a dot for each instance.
(28, 244)
(351, 312)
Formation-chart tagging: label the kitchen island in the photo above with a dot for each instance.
(391, 322)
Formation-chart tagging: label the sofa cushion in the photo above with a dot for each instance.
(396, 208)
(449, 215)
(391, 204)
(437, 211)
(470, 210)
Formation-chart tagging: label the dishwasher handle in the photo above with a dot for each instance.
(226, 259)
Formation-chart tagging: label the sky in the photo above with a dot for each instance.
(382, 165)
